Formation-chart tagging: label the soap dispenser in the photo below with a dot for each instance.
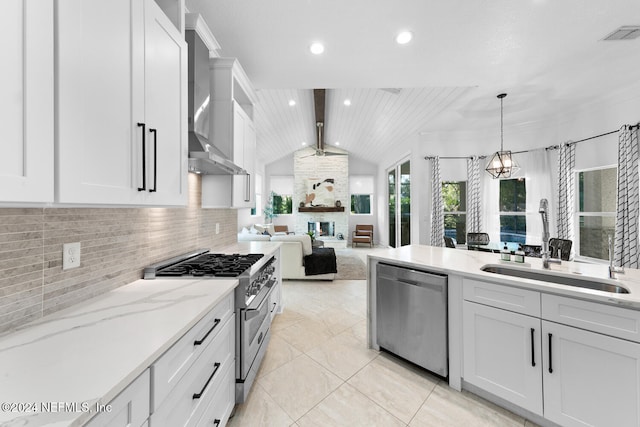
(505, 255)
(519, 255)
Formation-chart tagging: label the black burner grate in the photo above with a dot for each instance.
(217, 265)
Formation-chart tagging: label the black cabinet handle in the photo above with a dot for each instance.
(260, 337)
(155, 160)
(144, 160)
(550, 352)
(216, 422)
(274, 306)
(199, 395)
(533, 354)
(200, 341)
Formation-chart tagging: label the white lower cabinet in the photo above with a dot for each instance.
(209, 381)
(502, 354)
(128, 409)
(568, 375)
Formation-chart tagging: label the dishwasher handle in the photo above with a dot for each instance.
(411, 276)
(436, 287)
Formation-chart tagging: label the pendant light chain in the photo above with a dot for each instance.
(501, 125)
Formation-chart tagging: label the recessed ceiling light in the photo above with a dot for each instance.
(404, 37)
(304, 143)
(316, 48)
(292, 103)
(337, 142)
(347, 102)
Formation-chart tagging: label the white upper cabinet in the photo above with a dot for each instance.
(244, 145)
(121, 80)
(26, 102)
(233, 133)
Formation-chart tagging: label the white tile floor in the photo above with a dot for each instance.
(318, 371)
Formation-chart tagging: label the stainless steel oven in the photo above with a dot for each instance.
(256, 275)
(253, 323)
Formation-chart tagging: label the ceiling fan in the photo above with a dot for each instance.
(319, 106)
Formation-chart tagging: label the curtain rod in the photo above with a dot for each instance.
(551, 147)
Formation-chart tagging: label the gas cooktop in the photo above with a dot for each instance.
(206, 264)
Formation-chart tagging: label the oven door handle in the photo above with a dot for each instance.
(250, 313)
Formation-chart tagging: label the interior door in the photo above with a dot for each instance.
(399, 204)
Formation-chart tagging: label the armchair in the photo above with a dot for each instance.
(282, 229)
(362, 234)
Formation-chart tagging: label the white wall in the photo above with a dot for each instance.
(359, 166)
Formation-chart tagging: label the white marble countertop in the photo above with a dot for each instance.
(92, 351)
(253, 247)
(468, 263)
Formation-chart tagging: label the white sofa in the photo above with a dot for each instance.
(292, 252)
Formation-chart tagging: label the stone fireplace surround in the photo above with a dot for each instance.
(307, 166)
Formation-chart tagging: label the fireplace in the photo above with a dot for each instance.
(321, 228)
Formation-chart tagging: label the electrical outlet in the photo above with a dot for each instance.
(217, 228)
(70, 255)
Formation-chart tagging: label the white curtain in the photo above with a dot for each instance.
(566, 191)
(490, 217)
(536, 169)
(437, 209)
(626, 243)
(474, 204)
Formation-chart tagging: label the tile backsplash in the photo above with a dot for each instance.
(116, 244)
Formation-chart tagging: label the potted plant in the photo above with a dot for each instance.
(269, 209)
(312, 234)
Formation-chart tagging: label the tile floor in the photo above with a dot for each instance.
(318, 371)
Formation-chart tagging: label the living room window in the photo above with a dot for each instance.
(282, 204)
(282, 188)
(361, 189)
(257, 209)
(454, 200)
(596, 211)
(513, 206)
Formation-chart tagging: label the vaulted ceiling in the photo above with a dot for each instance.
(548, 55)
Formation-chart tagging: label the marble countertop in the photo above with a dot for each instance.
(468, 263)
(90, 352)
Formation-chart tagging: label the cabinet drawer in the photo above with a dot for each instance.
(615, 321)
(172, 365)
(128, 409)
(501, 296)
(204, 377)
(222, 402)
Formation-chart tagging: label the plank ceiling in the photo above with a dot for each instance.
(548, 55)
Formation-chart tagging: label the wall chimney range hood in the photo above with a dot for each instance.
(204, 157)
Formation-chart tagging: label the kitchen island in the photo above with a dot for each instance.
(556, 354)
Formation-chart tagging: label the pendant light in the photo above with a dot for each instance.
(502, 164)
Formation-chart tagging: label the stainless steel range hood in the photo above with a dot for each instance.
(204, 157)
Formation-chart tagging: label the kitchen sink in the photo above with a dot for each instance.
(561, 279)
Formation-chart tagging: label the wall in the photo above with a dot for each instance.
(358, 166)
(116, 244)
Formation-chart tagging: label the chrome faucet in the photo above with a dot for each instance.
(546, 253)
(612, 268)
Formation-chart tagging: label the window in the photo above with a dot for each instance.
(454, 200)
(282, 193)
(513, 205)
(282, 204)
(597, 191)
(257, 209)
(361, 189)
(360, 204)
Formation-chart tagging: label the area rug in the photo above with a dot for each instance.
(350, 266)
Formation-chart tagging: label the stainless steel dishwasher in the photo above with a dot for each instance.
(411, 316)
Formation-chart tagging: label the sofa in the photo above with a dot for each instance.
(293, 249)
